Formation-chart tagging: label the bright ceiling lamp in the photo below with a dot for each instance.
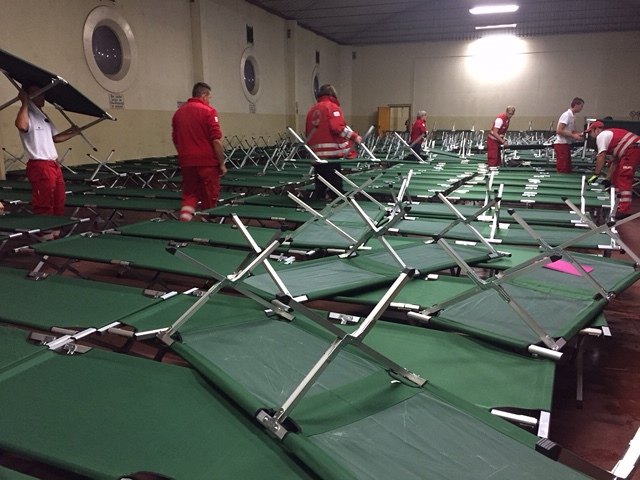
(492, 27)
(487, 9)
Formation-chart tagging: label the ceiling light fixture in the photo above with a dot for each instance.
(487, 9)
(491, 27)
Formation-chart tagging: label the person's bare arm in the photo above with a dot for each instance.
(22, 119)
(561, 129)
(601, 158)
(66, 135)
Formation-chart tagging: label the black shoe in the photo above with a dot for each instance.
(622, 216)
(606, 185)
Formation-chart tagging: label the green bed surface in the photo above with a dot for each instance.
(613, 274)
(138, 192)
(509, 234)
(106, 415)
(123, 203)
(331, 276)
(356, 422)
(434, 354)
(30, 222)
(198, 232)
(560, 313)
(260, 212)
(532, 216)
(8, 474)
(147, 253)
(66, 301)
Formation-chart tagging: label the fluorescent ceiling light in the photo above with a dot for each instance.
(490, 27)
(486, 9)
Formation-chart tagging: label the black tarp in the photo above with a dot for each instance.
(62, 94)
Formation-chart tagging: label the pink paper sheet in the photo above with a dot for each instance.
(567, 267)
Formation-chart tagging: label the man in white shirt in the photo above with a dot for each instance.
(565, 135)
(39, 136)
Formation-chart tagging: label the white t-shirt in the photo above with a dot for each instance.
(569, 119)
(38, 140)
(498, 123)
(603, 140)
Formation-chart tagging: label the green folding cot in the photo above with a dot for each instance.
(105, 415)
(356, 420)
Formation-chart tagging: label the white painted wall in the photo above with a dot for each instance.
(457, 84)
(180, 42)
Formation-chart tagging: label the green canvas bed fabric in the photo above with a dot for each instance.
(146, 253)
(160, 205)
(70, 302)
(438, 354)
(509, 234)
(485, 315)
(482, 374)
(417, 294)
(259, 212)
(278, 201)
(420, 295)
(269, 181)
(21, 222)
(15, 185)
(331, 276)
(356, 421)
(106, 415)
(162, 193)
(57, 301)
(24, 185)
(138, 192)
(15, 196)
(206, 233)
(8, 474)
(315, 233)
(478, 193)
(537, 216)
(614, 275)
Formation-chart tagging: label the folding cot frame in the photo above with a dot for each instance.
(301, 143)
(36, 225)
(275, 421)
(493, 219)
(529, 197)
(209, 414)
(396, 213)
(5, 237)
(284, 305)
(553, 346)
(55, 89)
(348, 199)
(19, 159)
(93, 203)
(410, 150)
(68, 344)
(535, 181)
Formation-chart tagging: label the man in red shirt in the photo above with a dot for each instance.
(418, 132)
(329, 137)
(497, 136)
(197, 137)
